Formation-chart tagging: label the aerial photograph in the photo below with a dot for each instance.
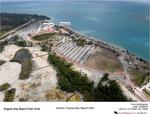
(74, 51)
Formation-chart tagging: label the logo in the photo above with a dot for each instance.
(115, 112)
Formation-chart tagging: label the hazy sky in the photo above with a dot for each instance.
(78, 0)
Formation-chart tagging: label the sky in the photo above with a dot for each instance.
(77, 0)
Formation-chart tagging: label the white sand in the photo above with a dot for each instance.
(9, 52)
(1, 96)
(42, 78)
(46, 72)
(39, 81)
(128, 93)
(9, 72)
(92, 74)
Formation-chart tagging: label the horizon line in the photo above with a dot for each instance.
(76, 1)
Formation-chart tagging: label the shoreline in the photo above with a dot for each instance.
(114, 46)
(96, 39)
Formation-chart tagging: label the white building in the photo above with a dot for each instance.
(64, 23)
(47, 26)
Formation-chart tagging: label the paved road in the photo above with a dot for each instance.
(136, 89)
(16, 29)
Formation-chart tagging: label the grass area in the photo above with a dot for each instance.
(104, 60)
(42, 37)
(5, 86)
(80, 42)
(73, 81)
(75, 97)
(3, 31)
(138, 77)
(23, 56)
(53, 94)
(9, 95)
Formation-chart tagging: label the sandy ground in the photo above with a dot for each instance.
(147, 86)
(42, 82)
(104, 60)
(92, 74)
(9, 52)
(9, 72)
(39, 81)
(128, 93)
(42, 78)
(95, 75)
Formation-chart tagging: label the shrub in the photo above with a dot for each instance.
(5, 86)
(9, 95)
(44, 36)
(72, 81)
(21, 43)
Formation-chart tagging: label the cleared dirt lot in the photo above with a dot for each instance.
(104, 60)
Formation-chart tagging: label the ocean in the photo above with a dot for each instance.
(125, 24)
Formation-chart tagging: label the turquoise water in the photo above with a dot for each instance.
(122, 23)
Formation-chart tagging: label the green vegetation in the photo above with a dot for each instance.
(14, 40)
(3, 31)
(17, 40)
(44, 36)
(139, 77)
(10, 21)
(89, 43)
(21, 43)
(23, 56)
(9, 95)
(2, 45)
(72, 81)
(80, 42)
(147, 92)
(105, 77)
(44, 48)
(5, 86)
(109, 90)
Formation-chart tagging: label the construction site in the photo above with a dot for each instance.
(89, 56)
